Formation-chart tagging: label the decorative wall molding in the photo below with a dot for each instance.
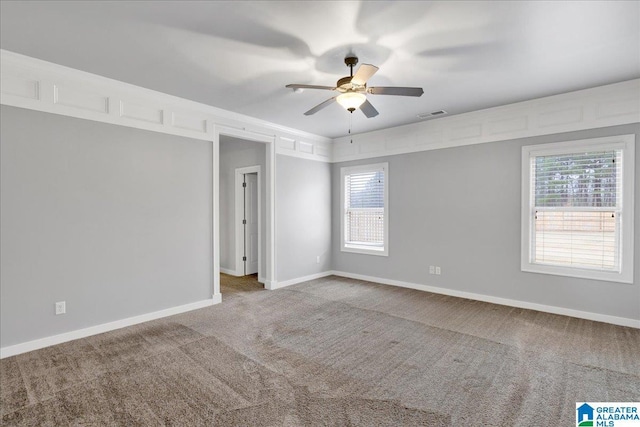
(34, 84)
(13, 350)
(622, 321)
(603, 106)
(303, 149)
(39, 85)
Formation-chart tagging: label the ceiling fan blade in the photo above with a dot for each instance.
(363, 74)
(297, 86)
(368, 109)
(398, 91)
(320, 106)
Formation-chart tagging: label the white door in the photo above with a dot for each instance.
(251, 225)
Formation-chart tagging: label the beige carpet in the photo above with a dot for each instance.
(330, 352)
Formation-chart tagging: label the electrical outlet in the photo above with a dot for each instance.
(432, 269)
(438, 271)
(318, 259)
(61, 307)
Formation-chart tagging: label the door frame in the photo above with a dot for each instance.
(270, 208)
(239, 208)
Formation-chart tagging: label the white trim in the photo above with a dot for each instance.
(624, 142)
(13, 350)
(215, 213)
(622, 321)
(268, 284)
(239, 236)
(44, 86)
(361, 249)
(229, 272)
(285, 283)
(603, 106)
(302, 148)
(270, 232)
(32, 83)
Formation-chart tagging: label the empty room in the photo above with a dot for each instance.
(319, 213)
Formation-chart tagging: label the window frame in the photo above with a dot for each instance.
(626, 143)
(361, 249)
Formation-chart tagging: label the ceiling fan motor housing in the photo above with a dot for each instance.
(345, 83)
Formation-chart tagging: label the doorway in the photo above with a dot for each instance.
(248, 220)
(223, 212)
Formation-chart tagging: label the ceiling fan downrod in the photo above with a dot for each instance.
(350, 61)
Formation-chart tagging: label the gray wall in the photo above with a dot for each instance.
(303, 217)
(237, 153)
(459, 208)
(115, 221)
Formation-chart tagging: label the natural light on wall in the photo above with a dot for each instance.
(576, 208)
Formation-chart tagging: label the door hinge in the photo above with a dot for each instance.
(244, 222)
(244, 184)
(244, 258)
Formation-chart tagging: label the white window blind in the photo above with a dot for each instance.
(365, 208)
(364, 198)
(577, 205)
(579, 219)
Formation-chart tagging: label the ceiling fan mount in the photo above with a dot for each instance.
(351, 61)
(353, 90)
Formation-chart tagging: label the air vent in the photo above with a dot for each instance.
(432, 114)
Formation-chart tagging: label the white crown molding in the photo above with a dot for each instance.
(603, 106)
(34, 84)
(13, 350)
(622, 321)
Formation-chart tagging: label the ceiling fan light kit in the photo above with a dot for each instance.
(351, 100)
(353, 90)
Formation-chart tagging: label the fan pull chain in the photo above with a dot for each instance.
(350, 121)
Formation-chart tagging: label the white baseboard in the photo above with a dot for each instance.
(229, 272)
(215, 299)
(268, 284)
(622, 321)
(285, 283)
(13, 350)
(236, 274)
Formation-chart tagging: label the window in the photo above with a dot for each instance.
(365, 207)
(577, 208)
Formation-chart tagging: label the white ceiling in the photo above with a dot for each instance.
(240, 55)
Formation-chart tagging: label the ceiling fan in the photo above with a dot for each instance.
(353, 90)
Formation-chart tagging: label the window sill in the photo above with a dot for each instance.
(364, 250)
(581, 273)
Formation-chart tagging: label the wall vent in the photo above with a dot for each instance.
(432, 114)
